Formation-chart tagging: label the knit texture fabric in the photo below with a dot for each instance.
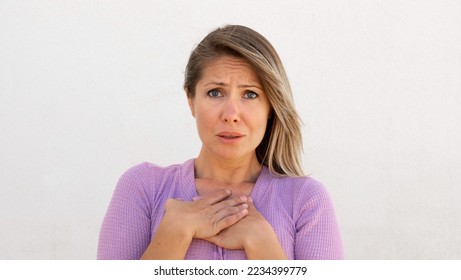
(299, 210)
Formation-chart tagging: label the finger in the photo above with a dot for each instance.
(214, 239)
(217, 239)
(229, 211)
(235, 201)
(230, 220)
(217, 196)
(195, 198)
(251, 206)
(254, 212)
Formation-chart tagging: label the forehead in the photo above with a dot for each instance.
(227, 66)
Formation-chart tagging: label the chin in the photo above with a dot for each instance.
(233, 156)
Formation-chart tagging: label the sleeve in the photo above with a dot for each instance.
(317, 232)
(126, 228)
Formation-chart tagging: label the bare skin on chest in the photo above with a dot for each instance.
(205, 187)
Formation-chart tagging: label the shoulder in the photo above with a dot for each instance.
(148, 170)
(306, 185)
(145, 175)
(303, 193)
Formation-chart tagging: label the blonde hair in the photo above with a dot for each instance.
(280, 149)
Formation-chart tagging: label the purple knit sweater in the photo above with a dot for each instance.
(299, 210)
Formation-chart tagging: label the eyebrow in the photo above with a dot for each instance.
(240, 86)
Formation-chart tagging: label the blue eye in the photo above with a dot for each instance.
(251, 95)
(214, 93)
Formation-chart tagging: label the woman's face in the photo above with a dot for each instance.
(231, 109)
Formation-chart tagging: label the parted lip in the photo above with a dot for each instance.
(229, 134)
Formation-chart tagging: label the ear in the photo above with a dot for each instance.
(190, 101)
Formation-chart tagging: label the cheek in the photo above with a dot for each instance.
(199, 119)
(204, 122)
(260, 126)
(262, 117)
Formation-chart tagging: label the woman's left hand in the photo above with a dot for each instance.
(254, 234)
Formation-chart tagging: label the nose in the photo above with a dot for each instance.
(231, 111)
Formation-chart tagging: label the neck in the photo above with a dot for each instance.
(230, 171)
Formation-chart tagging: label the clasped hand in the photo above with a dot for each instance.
(219, 218)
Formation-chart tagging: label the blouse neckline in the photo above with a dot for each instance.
(190, 191)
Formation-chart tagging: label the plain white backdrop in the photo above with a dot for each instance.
(90, 88)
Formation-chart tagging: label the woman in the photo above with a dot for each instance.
(244, 196)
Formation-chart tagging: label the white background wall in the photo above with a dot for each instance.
(90, 88)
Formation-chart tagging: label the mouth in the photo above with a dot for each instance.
(230, 135)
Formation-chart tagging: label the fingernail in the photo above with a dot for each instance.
(243, 198)
(250, 199)
(228, 191)
(196, 198)
(245, 206)
(245, 211)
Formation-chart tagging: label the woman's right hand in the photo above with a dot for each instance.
(200, 218)
(207, 216)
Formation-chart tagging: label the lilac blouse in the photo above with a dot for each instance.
(299, 210)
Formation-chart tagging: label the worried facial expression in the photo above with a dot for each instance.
(231, 109)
